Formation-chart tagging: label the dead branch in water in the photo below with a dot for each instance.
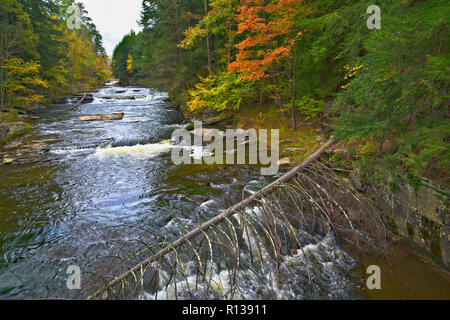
(214, 221)
(75, 107)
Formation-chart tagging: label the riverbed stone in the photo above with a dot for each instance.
(8, 160)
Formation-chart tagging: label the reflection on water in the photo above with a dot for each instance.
(405, 275)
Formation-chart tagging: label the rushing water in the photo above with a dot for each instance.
(96, 179)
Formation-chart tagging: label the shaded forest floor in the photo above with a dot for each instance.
(295, 144)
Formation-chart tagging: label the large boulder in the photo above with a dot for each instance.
(88, 99)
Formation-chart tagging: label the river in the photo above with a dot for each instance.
(102, 183)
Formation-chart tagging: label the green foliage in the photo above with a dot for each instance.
(121, 56)
(272, 113)
(158, 61)
(40, 56)
(402, 93)
(10, 116)
(310, 107)
(391, 85)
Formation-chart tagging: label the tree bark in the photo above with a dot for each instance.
(292, 67)
(208, 48)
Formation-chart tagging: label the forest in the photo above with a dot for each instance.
(103, 196)
(42, 58)
(382, 92)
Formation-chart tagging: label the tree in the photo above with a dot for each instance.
(121, 56)
(221, 92)
(267, 26)
(220, 21)
(40, 56)
(22, 81)
(399, 94)
(17, 41)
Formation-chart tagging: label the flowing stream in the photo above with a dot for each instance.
(95, 179)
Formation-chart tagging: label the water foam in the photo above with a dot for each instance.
(146, 151)
(318, 270)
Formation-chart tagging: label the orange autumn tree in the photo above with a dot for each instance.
(267, 26)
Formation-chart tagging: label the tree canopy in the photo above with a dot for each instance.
(41, 57)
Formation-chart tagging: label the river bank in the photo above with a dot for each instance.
(16, 125)
(416, 212)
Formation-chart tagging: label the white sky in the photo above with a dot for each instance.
(114, 19)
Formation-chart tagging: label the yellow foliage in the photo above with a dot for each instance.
(130, 64)
(23, 80)
(218, 92)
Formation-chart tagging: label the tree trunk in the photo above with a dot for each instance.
(208, 48)
(291, 81)
(292, 67)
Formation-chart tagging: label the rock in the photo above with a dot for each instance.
(4, 130)
(103, 117)
(356, 181)
(208, 122)
(58, 100)
(89, 98)
(215, 120)
(8, 160)
(198, 132)
(389, 146)
(284, 161)
(119, 98)
(13, 145)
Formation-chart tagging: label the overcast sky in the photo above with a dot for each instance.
(114, 19)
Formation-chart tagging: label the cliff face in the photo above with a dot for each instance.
(418, 214)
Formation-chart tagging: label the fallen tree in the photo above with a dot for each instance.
(216, 220)
(75, 107)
